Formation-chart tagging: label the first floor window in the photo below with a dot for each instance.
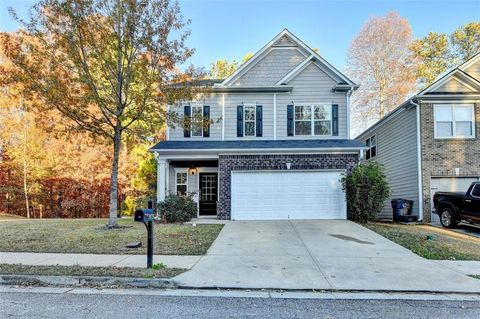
(313, 119)
(197, 121)
(372, 147)
(181, 183)
(454, 120)
(249, 120)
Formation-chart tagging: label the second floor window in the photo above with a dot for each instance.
(313, 119)
(454, 121)
(249, 120)
(197, 121)
(371, 143)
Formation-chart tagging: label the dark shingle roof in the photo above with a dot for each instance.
(256, 144)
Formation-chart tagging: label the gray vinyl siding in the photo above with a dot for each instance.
(453, 86)
(271, 68)
(397, 151)
(215, 103)
(312, 85)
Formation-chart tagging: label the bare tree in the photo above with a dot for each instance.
(379, 60)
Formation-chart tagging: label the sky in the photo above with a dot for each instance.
(230, 29)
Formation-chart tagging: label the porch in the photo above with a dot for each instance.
(196, 177)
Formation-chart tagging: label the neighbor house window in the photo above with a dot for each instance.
(454, 121)
(249, 120)
(181, 187)
(197, 121)
(371, 143)
(313, 119)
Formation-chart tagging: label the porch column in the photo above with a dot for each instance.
(161, 179)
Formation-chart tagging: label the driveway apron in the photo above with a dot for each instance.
(317, 254)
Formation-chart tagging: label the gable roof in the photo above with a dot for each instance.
(310, 54)
(458, 72)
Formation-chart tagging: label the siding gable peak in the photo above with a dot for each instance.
(284, 40)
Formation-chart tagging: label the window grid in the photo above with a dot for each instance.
(197, 121)
(454, 121)
(371, 143)
(249, 120)
(208, 187)
(314, 120)
(181, 183)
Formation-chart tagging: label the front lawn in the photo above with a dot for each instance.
(56, 270)
(89, 236)
(431, 242)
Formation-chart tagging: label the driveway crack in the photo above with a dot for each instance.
(311, 256)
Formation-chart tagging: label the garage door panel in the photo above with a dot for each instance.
(287, 194)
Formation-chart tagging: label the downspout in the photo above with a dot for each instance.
(349, 94)
(419, 160)
(223, 116)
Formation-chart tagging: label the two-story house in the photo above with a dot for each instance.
(277, 146)
(431, 142)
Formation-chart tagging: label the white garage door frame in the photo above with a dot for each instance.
(337, 212)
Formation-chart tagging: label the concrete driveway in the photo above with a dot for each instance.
(317, 254)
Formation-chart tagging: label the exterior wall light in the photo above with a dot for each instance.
(192, 170)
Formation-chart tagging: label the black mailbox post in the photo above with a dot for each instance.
(145, 216)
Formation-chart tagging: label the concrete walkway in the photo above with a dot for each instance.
(171, 261)
(317, 254)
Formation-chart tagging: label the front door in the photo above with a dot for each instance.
(208, 194)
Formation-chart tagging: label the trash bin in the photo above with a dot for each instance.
(401, 207)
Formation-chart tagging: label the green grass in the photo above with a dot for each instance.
(89, 236)
(431, 242)
(57, 270)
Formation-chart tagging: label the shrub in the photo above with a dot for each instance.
(178, 208)
(366, 189)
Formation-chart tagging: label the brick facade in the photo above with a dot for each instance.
(440, 157)
(229, 163)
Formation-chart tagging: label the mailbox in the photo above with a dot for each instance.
(144, 215)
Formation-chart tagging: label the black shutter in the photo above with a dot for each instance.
(206, 121)
(187, 113)
(240, 120)
(259, 120)
(335, 119)
(290, 119)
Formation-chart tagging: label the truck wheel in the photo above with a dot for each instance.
(447, 218)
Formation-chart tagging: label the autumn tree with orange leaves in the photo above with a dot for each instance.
(380, 61)
(105, 65)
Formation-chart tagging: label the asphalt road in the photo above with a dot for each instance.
(46, 305)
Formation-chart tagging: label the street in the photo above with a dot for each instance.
(23, 303)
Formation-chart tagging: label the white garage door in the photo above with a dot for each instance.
(448, 184)
(287, 195)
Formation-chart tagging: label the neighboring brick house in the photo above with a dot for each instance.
(431, 142)
(277, 146)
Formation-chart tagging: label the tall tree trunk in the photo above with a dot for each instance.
(25, 186)
(112, 221)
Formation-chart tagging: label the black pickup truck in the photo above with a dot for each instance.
(453, 208)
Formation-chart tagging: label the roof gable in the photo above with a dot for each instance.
(473, 67)
(284, 40)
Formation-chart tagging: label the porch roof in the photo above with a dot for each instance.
(291, 144)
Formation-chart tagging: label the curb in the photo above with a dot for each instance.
(86, 281)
